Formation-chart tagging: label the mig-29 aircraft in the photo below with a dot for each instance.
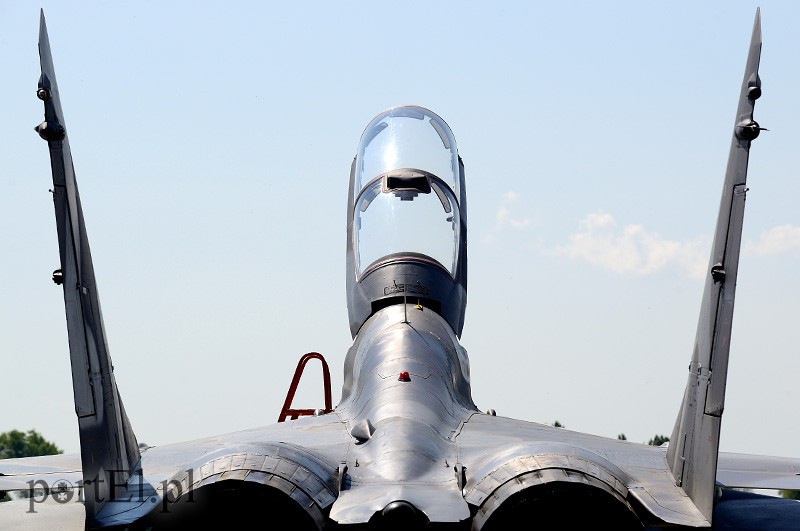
(406, 447)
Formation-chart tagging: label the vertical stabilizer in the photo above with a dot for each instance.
(694, 445)
(109, 450)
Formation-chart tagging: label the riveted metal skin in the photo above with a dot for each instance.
(413, 422)
(406, 447)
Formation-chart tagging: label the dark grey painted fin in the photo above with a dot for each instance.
(109, 450)
(694, 445)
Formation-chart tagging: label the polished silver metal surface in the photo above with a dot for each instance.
(406, 447)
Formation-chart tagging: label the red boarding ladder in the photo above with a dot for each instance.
(287, 410)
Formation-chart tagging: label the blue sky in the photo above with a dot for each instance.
(213, 143)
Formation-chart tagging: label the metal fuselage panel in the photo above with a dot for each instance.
(404, 427)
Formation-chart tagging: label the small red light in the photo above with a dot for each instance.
(404, 377)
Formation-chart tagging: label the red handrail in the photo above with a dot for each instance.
(287, 410)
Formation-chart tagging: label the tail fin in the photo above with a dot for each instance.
(109, 450)
(693, 448)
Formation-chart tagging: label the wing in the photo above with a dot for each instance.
(26, 480)
(564, 476)
(21, 474)
(758, 471)
(743, 509)
(219, 479)
(212, 481)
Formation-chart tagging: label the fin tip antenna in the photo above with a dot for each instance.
(757, 26)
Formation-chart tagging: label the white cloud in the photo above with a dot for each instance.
(773, 241)
(631, 249)
(504, 218)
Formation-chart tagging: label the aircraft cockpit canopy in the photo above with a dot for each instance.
(406, 191)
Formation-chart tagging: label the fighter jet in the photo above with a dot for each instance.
(406, 447)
